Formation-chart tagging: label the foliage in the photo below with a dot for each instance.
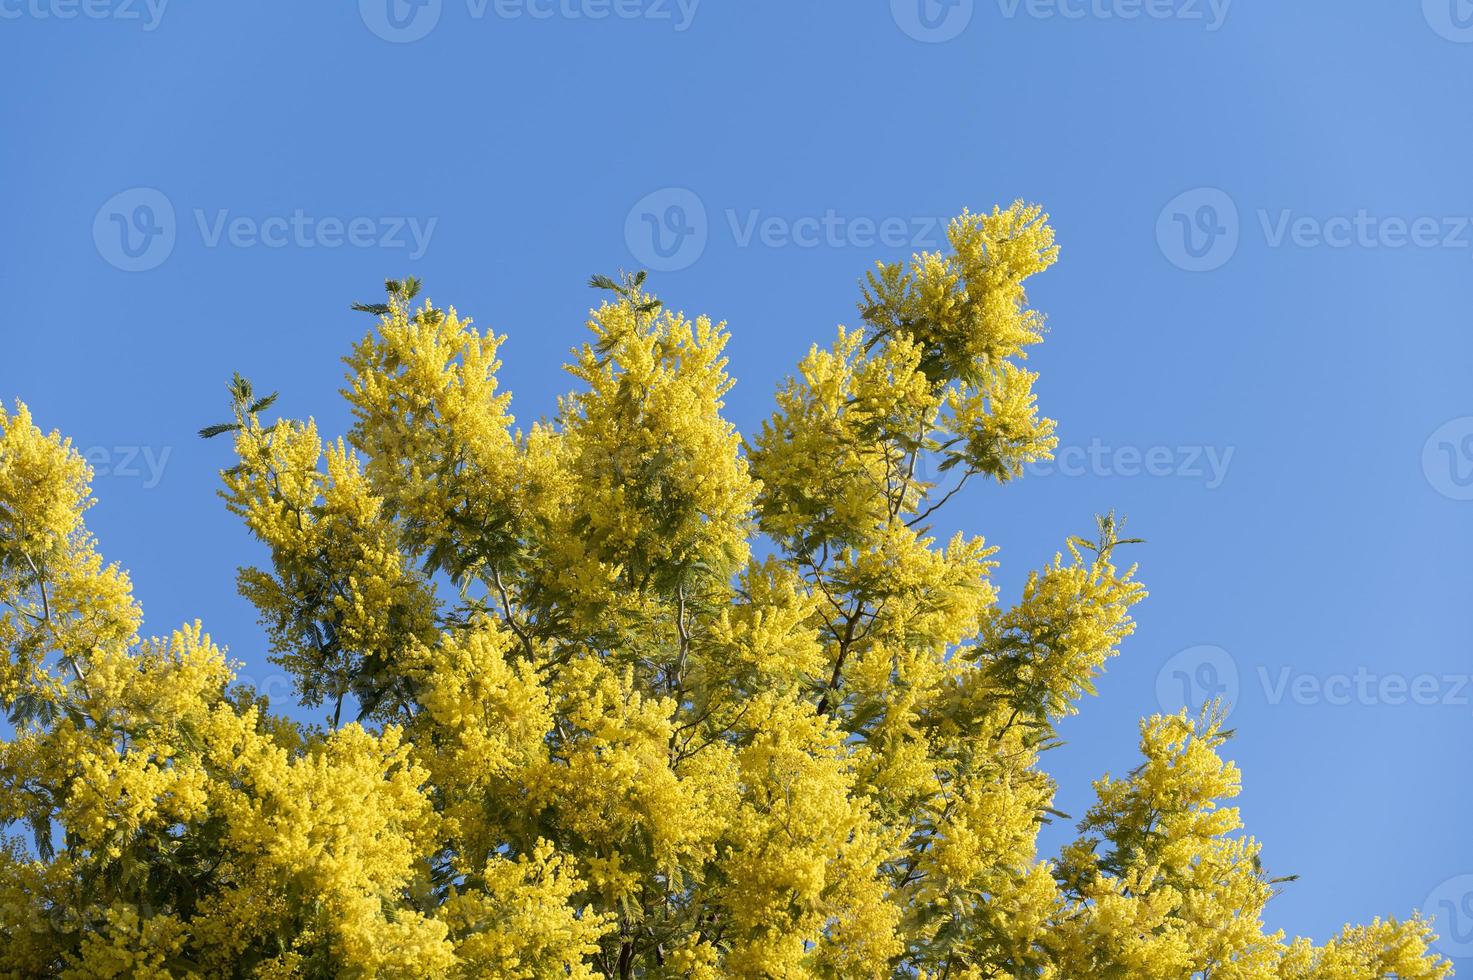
(575, 726)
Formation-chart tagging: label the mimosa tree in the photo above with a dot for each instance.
(573, 726)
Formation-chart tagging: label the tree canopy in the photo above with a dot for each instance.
(623, 693)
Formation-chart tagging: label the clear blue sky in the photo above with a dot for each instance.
(1260, 343)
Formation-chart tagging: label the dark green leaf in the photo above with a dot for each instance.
(262, 404)
(211, 431)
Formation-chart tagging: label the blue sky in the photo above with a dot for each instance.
(1260, 344)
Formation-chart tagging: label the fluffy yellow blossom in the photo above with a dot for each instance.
(622, 694)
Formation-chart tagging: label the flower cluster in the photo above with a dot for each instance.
(574, 728)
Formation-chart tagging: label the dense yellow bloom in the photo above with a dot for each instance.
(575, 728)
